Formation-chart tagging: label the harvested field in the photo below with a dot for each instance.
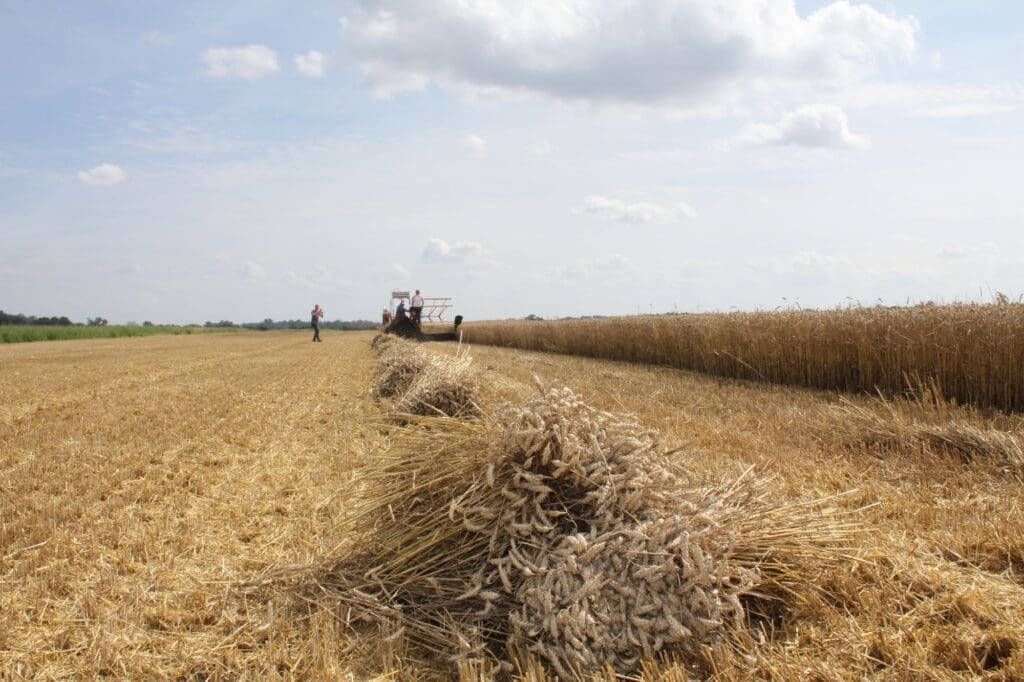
(183, 507)
(145, 483)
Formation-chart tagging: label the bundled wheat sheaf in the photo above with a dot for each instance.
(561, 530)
(381, 341)
(398, 366)
(445, 386)
(422, 383)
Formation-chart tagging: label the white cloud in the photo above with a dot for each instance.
(475, 143)
(618, 211)
(251, 62)
(318, 278)
(187, 140)
(685, 210)
(985, 250)
(820, 125)
(812, 261)
(918, 270)
(967, 109)
(809, 268)
(614, 264)
(439, 251)
(156, 37)
(311, 63)
(542, 148)
(103, 175)
(618, 50)
(400, 270)
(933, 100)
(254, 270)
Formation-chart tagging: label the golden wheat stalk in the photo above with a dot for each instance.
(565, 532)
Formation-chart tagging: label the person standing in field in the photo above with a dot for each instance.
(416, 307)
(318, 314)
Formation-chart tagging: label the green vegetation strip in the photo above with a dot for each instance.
(22, 333)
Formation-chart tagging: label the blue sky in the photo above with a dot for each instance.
(200, 161)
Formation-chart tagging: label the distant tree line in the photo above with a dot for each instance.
(537, 318)
(8, 318)
(340, 325)
(62, 321)
(267, 324)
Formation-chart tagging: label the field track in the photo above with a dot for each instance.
(154, 493)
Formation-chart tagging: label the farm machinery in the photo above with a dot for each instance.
(434, 309)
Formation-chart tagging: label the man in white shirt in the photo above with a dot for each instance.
(416, 307)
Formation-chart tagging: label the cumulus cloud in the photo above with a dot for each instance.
(600, 50)
(311, 64)
(985, 250)
(103, 175)
(317, 278)
(253, 270)
(440, 251)
(613, 210)
(821, 125)
(685, 210)
(542, 148)
(156, 37)
(475, 143)
(968, 109)
(808, 268)
(810, 260)
(934, 100)
(251, 62)
(606, 266)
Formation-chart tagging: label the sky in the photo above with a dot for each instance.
(244, 159)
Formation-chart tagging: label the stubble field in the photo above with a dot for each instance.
(145, 482)
(168, 503)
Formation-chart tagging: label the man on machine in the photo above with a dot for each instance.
(416, 307)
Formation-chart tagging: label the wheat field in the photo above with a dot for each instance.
(169, 507)
(933, 587)
(973, 353)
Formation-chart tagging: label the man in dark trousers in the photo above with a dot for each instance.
(318, 314)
